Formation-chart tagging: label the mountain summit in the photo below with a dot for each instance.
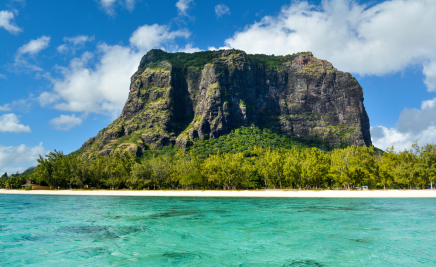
(176, 98)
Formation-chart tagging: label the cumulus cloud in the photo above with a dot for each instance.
(368, 40)
(74, 43)
(19, 158)
(10, 123)
(429, 72)
(99, 82)
(31, 48)
(6, 18)
(412, 125)
(149, 36)
(47, 98)
(189, 49)
(221, 10)
(66, 122)
(183, 6)
(109, 5)
(100, 88)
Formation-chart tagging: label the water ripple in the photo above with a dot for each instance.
(154, 231)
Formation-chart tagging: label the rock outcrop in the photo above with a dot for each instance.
(177, 97)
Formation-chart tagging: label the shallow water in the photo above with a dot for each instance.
(165, 231)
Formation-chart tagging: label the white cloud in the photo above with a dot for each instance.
(10, 123)
(430, 75)
(413, 124)
(32, 48)
(2, 76)
(99, 82)
(5, 22)
(130, 5)
(368, 40)
(183, 6)
(150, 36)
(189, 49)
(47, 98)
(5, 107)
(79, 40)
(74, 43)
(66, 122)
(221, 10)
(102, 88)
(19, 158)
(23, 105)
(109, 5)
(383, 137)
(62, 48)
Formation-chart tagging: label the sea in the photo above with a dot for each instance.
(38, 230)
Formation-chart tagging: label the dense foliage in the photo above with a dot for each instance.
(14, 181)
(272, 61)
(292, 168)
(183, 60)
(245, 139)
(199, 59)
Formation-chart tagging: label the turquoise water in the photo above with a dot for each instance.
(165, 231)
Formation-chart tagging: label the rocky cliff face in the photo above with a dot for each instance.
(176, 98)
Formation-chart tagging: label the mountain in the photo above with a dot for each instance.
(178, 98)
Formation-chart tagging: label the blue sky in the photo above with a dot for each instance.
(65, 66)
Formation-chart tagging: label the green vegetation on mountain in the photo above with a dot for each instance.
(184, 60)
(272, 61)
(199, 59)
(245, 139)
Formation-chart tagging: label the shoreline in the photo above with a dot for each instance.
(275, 193)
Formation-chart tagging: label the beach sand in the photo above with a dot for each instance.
(237, 193)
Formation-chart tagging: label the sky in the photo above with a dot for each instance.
(65, 66)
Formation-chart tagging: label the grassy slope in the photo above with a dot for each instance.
(245, 138)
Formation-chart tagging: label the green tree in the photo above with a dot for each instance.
(316, 166)
(428, 156)
(362, 161)
(292, 167)
(388, 165)
(341, 165)
(141, 175)
(4, 180)
(161, 167)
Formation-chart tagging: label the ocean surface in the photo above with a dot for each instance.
(169, 231)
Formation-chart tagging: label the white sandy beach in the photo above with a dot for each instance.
(237, 193)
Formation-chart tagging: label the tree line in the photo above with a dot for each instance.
(13, 182)
(311, 168)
